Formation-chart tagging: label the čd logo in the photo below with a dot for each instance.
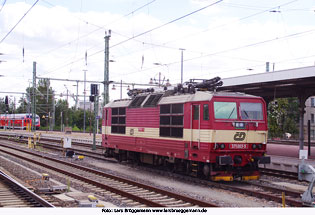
(239, 136)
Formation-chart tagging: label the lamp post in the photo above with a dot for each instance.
(84, 92)
(76, 100)
(67, 114)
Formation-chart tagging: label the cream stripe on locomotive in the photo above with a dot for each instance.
(195, 135)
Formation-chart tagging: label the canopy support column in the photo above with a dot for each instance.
(302, 99)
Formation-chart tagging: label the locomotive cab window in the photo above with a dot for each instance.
(225, 110)
(172, 120)
(251, 111)
(118, 121)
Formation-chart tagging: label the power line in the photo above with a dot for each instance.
(232, 49)
(19, 21)
(170, 22)
(238, 20)
(138, 35)
(98, 27)
(3, 5)
(132, 38)
(255, 44)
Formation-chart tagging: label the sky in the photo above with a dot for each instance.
(222, 38)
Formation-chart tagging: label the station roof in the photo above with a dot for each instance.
(285, 83)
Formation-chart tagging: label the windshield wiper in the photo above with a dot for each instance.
(246, 113)
(231, 113)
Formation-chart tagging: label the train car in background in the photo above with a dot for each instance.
(18, 121)
(216, 135)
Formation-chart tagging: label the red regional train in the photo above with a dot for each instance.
(220, 136)
(18, 120)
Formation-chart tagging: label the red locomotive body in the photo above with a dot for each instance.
(18, 121)
(217, 135)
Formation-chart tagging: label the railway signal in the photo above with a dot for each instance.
(6, 101)
(94, 98)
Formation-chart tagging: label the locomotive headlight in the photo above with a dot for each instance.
(254, 146)
(222, 146)
(239, 125)
(259, 146)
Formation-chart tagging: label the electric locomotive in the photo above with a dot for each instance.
(195, 130)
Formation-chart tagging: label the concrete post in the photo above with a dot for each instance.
(302, 99)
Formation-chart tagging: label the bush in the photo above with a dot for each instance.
(75, 128)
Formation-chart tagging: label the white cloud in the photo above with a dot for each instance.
(49, 36)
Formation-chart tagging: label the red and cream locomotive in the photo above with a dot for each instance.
(216, 135)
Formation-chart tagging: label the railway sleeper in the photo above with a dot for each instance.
(157, 198)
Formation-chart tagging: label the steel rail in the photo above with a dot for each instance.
(114, 190)
(250, 192)
(279, 173)
(31, 197)
(262, 195)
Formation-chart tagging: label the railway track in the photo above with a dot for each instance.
(13, 194)
(130, 192)
(279, 173)
(55, 144)
(259, 191)
(267, 192)
(85, 149)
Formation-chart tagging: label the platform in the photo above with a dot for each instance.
(286, 157)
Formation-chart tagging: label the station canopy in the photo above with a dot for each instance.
(299, 82)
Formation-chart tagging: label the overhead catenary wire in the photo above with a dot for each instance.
(206, 55)
(18, 21)
(170, 22)
(164, 44)
(3, 5)
(234, 49)
(98, 26)
(143, 33)
(238, 20)
(151, 44)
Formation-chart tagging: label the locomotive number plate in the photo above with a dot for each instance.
(238, 146)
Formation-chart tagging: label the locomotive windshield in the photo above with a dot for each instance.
(225, 110)
(251, 111)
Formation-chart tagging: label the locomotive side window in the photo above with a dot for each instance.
(225, 110)
(118, 120)
(165, 109)
(206, 112)
(196, 112)
(172, 120)
(177, 108)
(251, 111)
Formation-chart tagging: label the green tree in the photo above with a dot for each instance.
(2, 106)
(44, 100)
(283, 117)
(24, 106)
(61, 112)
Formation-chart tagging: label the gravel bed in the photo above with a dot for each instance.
(221, 197)
(24, 174)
